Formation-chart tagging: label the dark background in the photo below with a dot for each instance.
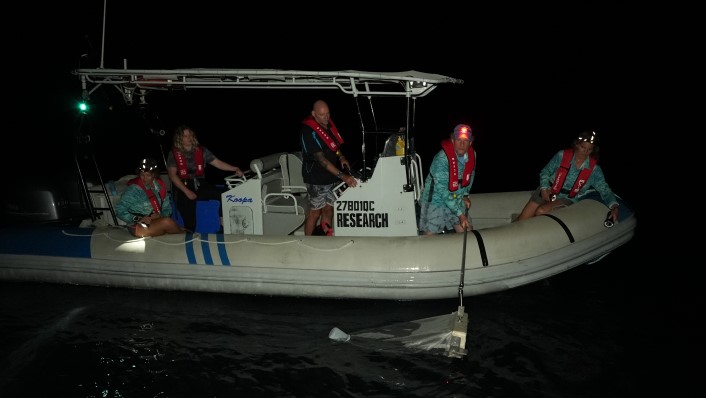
(534, 76)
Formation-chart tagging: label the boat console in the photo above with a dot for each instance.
(272, 199)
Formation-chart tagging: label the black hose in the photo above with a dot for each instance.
(463, 263)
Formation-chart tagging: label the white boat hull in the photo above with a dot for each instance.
(397, 268)
(376, 253)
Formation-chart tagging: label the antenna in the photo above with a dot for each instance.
(103, 35)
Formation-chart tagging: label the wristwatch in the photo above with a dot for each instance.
(340, 174)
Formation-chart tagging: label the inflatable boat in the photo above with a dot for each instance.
(259, 247)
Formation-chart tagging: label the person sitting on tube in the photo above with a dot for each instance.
(145, 204)
(571, 175)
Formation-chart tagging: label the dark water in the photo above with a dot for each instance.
(590, 332)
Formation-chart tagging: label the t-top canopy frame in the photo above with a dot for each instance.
(139, 82)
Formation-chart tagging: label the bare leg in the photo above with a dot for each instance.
(528, 211)
(327, 216)
(170, 226)
(311, 220)
(159, 226)
(549, 206)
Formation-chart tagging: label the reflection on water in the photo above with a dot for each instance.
(576, 335)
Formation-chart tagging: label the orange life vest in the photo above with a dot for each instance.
(563, 171)
(182, 170)
(330, 142)
(156, 205)
(448, 147)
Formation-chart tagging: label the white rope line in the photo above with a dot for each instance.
(197, 238)
(296, 241)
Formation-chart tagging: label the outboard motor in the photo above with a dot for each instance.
(36, 202)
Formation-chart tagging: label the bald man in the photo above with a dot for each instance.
(321, 150)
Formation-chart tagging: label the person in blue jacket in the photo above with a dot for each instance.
(145, 204)
(571, 175)
(444, 201)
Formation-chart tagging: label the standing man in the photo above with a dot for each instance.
(445, 197)
(321, 150)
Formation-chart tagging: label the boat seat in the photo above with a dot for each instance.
(285, 202)
(292, 179)
(269, 176)
(283, 192)
(265, 163)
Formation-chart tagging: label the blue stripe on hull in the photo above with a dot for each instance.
(206, 251)
(222, 250)
(76, 242)
(189, 247)
(49, 241)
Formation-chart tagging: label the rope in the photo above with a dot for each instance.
(463, 265)
(197, 238)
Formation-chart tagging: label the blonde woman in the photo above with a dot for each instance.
(186, 166)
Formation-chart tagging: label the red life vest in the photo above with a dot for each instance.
(330, 142)
(448, 147)
(180, 159)
(157, 206)
(563, 171)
